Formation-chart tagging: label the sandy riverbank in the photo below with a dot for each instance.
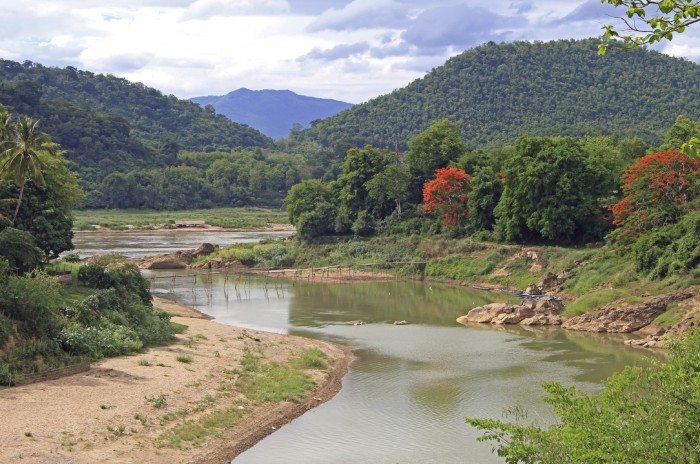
(104, 415)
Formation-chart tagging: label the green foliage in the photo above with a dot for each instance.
(432, 149)
(651, 21)
(205, 179)
(671, 249)
(642, 415)
(101, 341)
(359, 167)
(484, 195)
(19, 249)
(33, 304)
(311, 208)
(499, 92)
(551, 193)
(108, 124)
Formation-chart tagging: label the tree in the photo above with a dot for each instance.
(657, 189)
(484, 195)
(19, 249)
(551, 193)
(432, 149)
(359, 167)
(22, 157)
(651, 21)
(312, 207)
(390, 184)
(446, 195)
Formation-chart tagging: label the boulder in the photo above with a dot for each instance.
(533, 289)
(486, 313)
(517, 314)
(623, 319)
(164, 262)
(543, 319)
(547, 305)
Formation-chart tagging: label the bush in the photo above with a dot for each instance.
(317, 222)
(19, 249)
(364, 224)
(101, 341)
(94, 276)
(6, 329)
(33, 304)
(669, 250)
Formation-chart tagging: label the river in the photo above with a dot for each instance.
(410, 387)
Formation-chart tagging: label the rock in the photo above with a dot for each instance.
(358, 323)
(486, 313)
(164, 262)
(547, 305)
(533, 289)
(518, 314)
(178, 259)
(543, 319)
(623, 319)
(400, 322)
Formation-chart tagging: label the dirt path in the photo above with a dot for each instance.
(109, 413)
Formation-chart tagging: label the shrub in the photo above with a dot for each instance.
(669, 250)
(94, 276)
(99, 341)
(6, 329)
(19, 249)
(33, 304)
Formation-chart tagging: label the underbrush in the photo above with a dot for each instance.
(44, 325)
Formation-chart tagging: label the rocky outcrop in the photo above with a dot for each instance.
(615, 319)
(176, 260)
(533, 311)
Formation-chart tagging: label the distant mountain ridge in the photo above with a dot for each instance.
(498, 92)
(272, 112)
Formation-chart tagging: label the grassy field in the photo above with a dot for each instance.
(233, 218)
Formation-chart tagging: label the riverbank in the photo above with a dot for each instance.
(207, 397)
(599, 288)
(214, 219)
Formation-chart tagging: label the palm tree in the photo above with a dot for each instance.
(24, 144)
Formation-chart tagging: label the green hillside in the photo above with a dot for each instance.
(497, 92)
(109, 124)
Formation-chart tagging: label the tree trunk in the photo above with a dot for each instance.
(19, 202)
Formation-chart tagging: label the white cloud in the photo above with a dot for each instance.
(204, 9)
(360, 48)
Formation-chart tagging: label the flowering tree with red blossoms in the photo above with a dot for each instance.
(446, 195)
(657, 189)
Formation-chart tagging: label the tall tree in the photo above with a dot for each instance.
(22, 156)
(432, 149)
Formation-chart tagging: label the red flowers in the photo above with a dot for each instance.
(655, 188)
(446, 194)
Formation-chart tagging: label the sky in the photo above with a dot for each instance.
(350, 50)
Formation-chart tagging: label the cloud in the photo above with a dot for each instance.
(361, 14)
(458, 25)
(588, 11)
(205, 9)
(336, 53)
(119, 62)
(522, 6)
(387, 50)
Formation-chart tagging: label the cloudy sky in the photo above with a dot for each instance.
(351, 50)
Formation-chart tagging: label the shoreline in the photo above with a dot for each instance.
(273, 227)
(106, 414)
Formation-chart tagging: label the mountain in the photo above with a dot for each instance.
(498, 92)
(109, 124)
(272, 112)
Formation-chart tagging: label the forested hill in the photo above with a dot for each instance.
(497, 92)
(109, 124)
(273, 112)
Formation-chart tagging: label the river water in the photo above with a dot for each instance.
(410, 387)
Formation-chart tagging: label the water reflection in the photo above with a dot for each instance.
(408, 391)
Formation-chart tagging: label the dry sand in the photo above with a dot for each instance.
(96, 416)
